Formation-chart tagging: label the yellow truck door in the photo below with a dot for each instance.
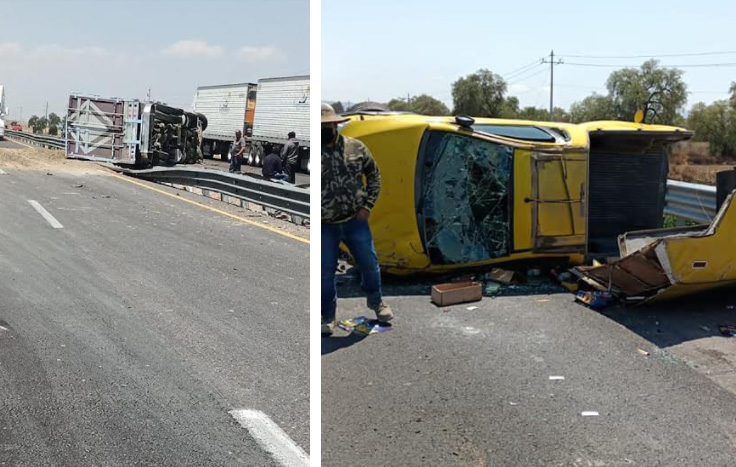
(558, 201)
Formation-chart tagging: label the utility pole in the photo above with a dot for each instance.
(552, 64)
(148, 95)
(46, 112)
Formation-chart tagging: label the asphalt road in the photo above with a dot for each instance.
(128, 335)
(6, 143)
(472, 387)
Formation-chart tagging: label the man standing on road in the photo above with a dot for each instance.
(290, 156)
(346, 206)
(236, 152)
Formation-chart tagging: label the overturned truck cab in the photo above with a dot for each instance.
(464, 193)
(131, 132)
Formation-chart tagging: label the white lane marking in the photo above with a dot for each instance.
(4, 328)
(46, 215)
(271, 438)
(557, 378)
(2, 172)
(589, 413)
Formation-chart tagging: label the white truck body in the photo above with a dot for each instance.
(225, 107)
(282, 105)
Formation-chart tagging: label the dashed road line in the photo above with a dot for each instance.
(271, 438)
(45, 214)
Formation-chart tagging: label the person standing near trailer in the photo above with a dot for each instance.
(290, 157)
(236, 152)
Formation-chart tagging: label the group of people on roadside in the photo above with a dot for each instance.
(280, 163)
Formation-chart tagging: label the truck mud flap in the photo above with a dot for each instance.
(667, 263)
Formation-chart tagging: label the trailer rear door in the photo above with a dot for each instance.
(102, 129)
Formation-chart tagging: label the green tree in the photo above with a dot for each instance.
(339, 108)
(542, 115)
(592, 108)
(398, 105)
(509, 108)
(660, 90)
(716, 124)
(38, 123)
(54, 123)
(33, 122)
(480, 94)
(427, 105)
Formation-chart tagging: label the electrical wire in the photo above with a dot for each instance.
(524, 68)
(695, 54)
(689, 65)
(519, 79)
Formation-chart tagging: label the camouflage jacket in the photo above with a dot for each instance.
(343, 190)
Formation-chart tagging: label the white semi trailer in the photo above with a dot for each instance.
(265, 113)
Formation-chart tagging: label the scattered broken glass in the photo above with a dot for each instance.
(465, 200)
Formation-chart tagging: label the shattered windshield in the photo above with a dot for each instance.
(465, 198)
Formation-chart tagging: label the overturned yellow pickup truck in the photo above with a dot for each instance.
(464, 193)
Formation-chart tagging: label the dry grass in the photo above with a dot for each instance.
(691, 161)
(697, 173)
(43, 159)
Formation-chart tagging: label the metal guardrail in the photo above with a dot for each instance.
(46, 141)
(280, 196)
(690, 201)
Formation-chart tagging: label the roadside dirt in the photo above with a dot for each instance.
(44, 159)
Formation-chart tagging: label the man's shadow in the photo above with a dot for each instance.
(334, 343)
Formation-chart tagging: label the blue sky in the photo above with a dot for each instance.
(382, 49)
(121, 47)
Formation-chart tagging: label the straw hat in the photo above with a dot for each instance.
(329, 115)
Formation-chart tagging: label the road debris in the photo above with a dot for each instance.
(503, 276)
(456, 292)
(727, 330)
(491, 288)
(471, 308)
(594, 299)
(643, 352)
(363, 325)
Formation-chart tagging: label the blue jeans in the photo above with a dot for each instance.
(356, 235)
(235, 163)
(280, 176)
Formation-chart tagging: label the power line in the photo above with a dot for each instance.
(552, 64)
(521, 69)
(537, 72)
(689, 65)
(695, 54)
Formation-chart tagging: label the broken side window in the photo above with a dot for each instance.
(465, 188)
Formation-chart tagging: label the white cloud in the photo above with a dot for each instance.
(187, 48)
(8, 49)
(48, 51)
(251, 53)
